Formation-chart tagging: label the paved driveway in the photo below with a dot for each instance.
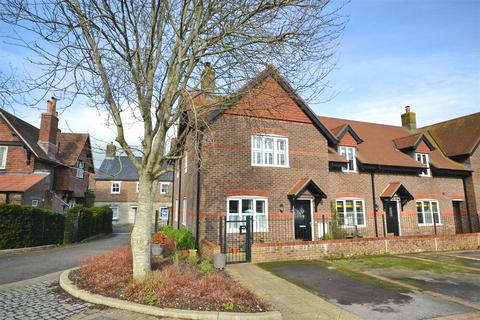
(366, 297)
(30, 265)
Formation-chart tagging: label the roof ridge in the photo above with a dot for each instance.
(366, 122)
(448, 120)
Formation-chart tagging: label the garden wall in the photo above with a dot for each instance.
(265, 252)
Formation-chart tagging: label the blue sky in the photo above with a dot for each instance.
(423, 53)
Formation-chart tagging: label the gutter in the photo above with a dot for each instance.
(375, 207)
(179, 192)
(197, 205)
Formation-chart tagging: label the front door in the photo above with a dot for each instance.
(303, 219)
(457, 215)
(391, 210)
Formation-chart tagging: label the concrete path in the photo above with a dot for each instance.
(23, 266)
(292, 301)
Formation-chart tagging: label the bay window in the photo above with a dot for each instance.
(428, 212)
(238, 208)
(351, 212)
(270, 151)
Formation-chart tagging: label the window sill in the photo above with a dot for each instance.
(429, 224)
(269, 166)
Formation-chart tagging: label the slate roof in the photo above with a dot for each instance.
(378, 146)
(460, 136)
(121, 168)
(19, 182)
(71, 144)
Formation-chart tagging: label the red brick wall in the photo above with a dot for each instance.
(66, 180)
(128, 192)
(16, 155)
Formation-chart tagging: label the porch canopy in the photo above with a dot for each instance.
(306, 186)
(396, 189)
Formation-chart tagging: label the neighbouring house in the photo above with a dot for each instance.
(301, 177)
(43, 167)
(116, 185)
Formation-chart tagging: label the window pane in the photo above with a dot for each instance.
(257, 142)
(268, 158)
(428, 212)
(281, 159)
(359, 210)
(281, 145)
(260, 206)
(268, 143)
(419, 212)
(247, 206)
(350, 215)
(233, 206)
(435, 211)
(257, 157)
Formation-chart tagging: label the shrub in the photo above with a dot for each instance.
(206, 267)
(86, 222)
(183, 238)
(108, 273)
(23, 226)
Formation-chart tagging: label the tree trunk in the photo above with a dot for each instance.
(142, 229)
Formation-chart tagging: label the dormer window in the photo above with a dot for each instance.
(349, 153)
(80, 169)
(423, 158)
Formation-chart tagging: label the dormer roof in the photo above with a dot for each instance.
(412, 142)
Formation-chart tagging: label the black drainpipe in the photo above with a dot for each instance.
(197, 213)
(372, 175)
(179, 192)
(466, 203)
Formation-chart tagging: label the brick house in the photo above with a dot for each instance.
(301, 176)
(43, 167)
(116, 185)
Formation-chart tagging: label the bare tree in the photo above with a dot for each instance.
(140, 58)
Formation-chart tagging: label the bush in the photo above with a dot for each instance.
(183, 238)
(84, 222)
(22, 226)
(206, 267)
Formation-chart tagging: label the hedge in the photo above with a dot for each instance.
(22, 226)
(82, 223)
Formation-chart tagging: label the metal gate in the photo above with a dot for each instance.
(237, 238)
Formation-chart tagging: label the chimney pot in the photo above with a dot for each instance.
(409, 119)
(47, 138)
(407, 109)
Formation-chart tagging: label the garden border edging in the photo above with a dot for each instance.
(67, 285)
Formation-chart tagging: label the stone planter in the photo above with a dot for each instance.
(219, 260)
(157, 249)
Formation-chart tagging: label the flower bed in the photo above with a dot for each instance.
(173, 283)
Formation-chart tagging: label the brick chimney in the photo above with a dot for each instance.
(47, 138)
(409, 119)
(111, 151)
(207, 83)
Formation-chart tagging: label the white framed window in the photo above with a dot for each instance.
(269, 151)
(427, 211)
(185, 164)
(184, 215)
(80, 169)
(164, 187)
(351, 212)
(34, 203)
(137, 187)
(3, 157)
(423, 158)
(239, 208)
(350, 154)
(175, 211)
(114, 213)
(115, 187)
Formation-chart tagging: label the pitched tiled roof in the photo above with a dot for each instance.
(458, 136)
(411, 141)
(121, 168)
(396, 188)
(20, 182)
(71, 144)
(378, 147)
(334, 156)
(305, 183)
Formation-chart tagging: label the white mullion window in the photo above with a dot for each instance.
(80, 169)
(239, 208)
(350, 154)
(269, 151)
(175, 211)
(351, 212)
(427, 211)
(115, 187)
(3, 157)
(424, 159)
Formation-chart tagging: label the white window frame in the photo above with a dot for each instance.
(137, 187)
(424, 158)
(257, 227)
(184, 211)
(168, 188)
(424, 223)
(175, 213)
(355, 214)
(343, 150)
(119, 187)
(275, 151)
(3, 161)
(114, 210)
(80, 169)
(35, 203)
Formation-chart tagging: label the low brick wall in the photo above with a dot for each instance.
(276, 251)
(208, 249)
